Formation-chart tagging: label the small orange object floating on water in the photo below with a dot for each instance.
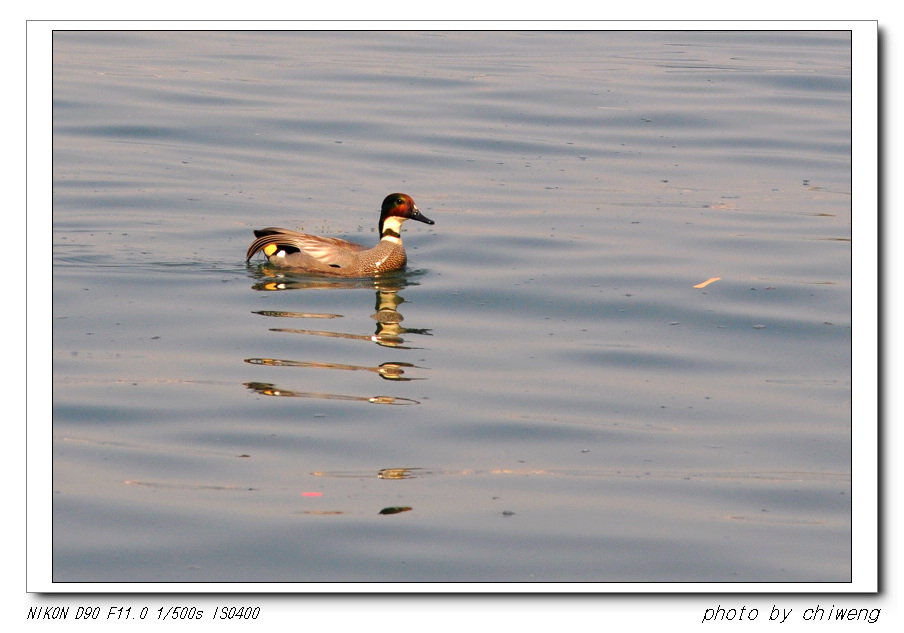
(707, 282)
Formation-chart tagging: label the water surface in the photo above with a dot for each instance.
(543, 395)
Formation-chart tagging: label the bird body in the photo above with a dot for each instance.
(332, 256)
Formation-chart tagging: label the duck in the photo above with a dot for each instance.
(301, 252)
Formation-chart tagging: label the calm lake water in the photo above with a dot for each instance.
(544, 394)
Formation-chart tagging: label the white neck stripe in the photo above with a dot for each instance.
(392, 223)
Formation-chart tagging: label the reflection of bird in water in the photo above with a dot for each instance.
(389, 371)
(389, 329)
(389, 319)
(269, 389)
(332, 256)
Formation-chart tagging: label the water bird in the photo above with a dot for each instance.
(332, 256)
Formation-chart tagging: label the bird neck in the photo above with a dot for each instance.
(391, 229)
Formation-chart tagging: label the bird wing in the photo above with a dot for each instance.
(323, 249)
